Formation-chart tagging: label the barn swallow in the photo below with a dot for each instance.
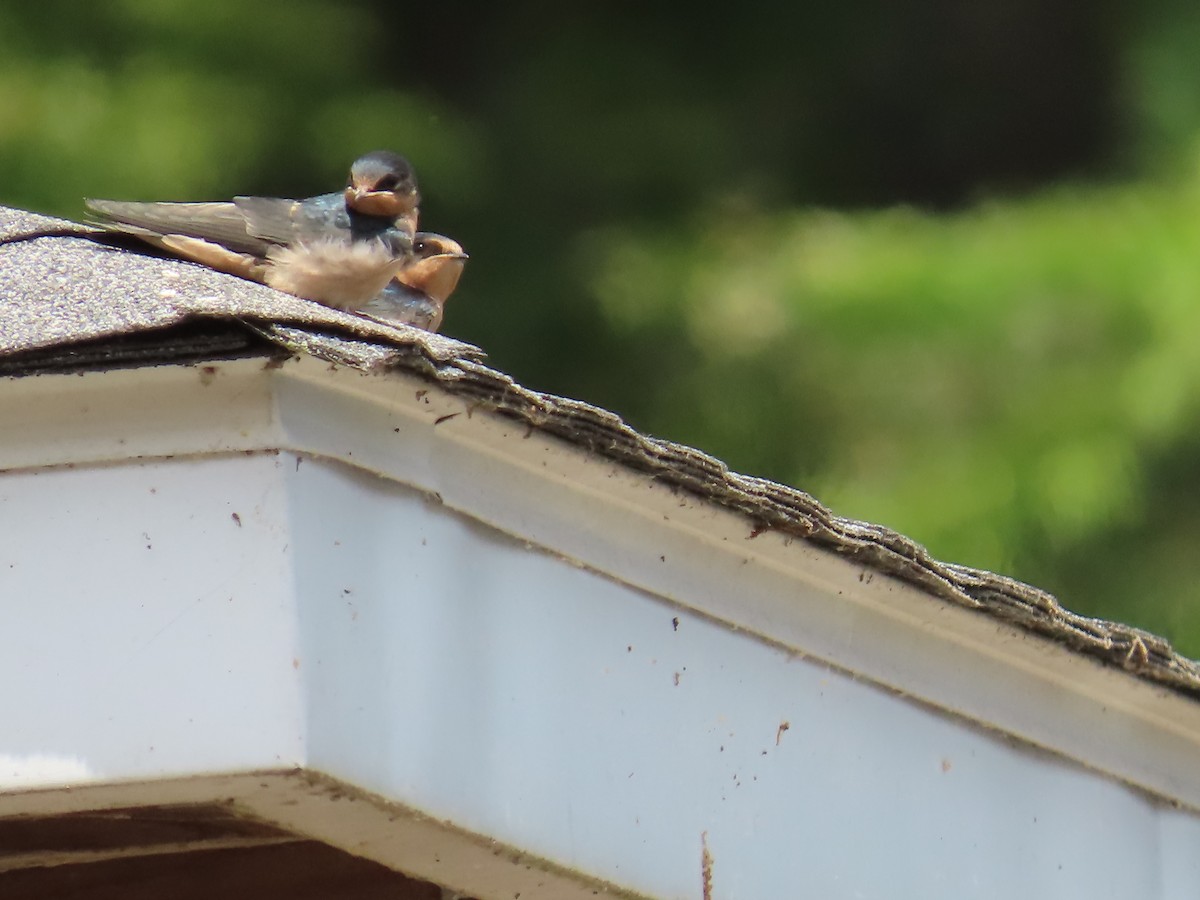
(341, 249)
(417, 295)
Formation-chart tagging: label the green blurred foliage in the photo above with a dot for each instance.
(1000, 381)
(934, 263)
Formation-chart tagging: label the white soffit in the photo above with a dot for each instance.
(625, 525)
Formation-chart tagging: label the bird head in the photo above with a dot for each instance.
(384, 184)
(436, 266)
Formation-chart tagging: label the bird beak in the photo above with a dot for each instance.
(380, 203)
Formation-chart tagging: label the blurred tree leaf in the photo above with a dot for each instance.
(995, 382)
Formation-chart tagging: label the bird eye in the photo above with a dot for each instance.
(419, 246)
(387, 183)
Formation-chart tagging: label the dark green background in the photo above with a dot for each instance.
(936, 263)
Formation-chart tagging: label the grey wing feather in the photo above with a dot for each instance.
(289, 221)
(222, 223)
(400, 304)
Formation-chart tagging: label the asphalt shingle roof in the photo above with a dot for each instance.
(69, 302)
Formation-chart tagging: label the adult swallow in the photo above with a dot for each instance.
(417, 295)
(341, 249)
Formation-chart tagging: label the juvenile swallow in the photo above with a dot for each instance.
(417, 295)
(341, 249)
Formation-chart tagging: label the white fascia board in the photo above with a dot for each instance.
(160, 411)
(630, 528)
(809, 601)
